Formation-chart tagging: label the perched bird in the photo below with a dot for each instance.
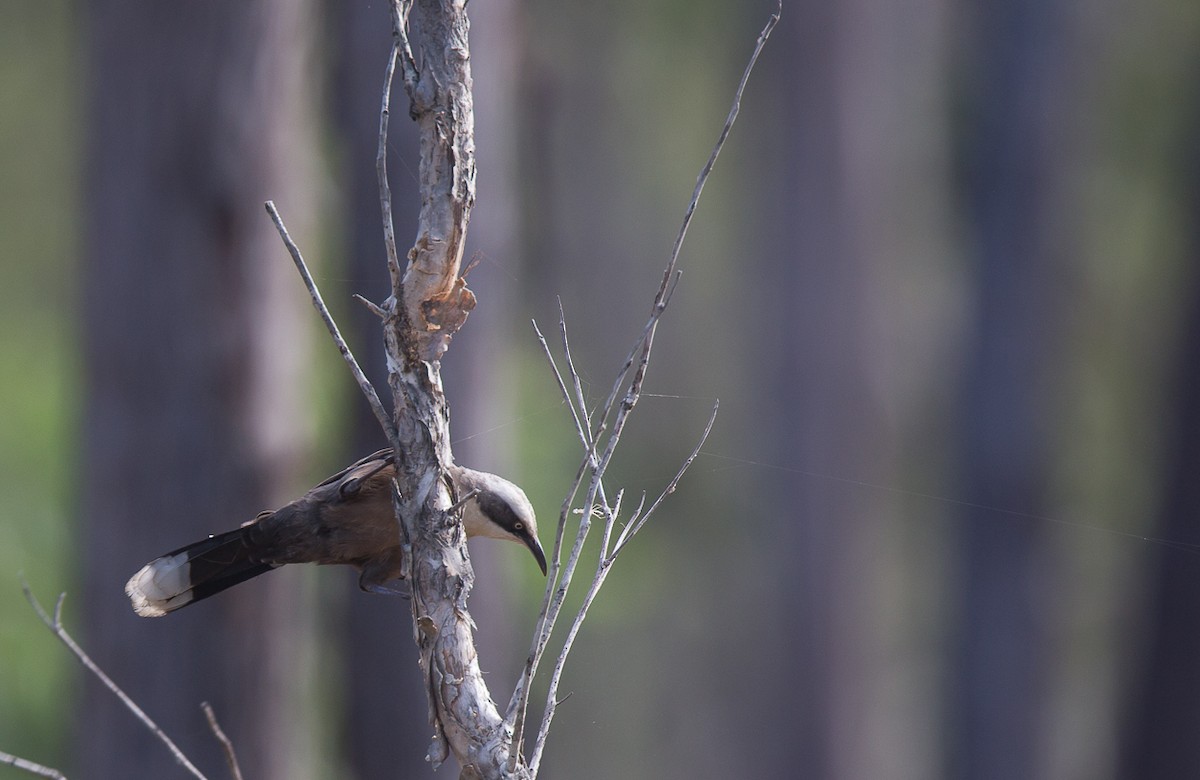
(348, 519)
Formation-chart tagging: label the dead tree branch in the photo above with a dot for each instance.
(599, 449)
(8, 759)
(428, 304)
(319, 304)
(56, 627)
(235, 770)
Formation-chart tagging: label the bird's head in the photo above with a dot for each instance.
(499, 510)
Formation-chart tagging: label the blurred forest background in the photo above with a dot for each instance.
(943, 282)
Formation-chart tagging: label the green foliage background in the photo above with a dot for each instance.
(39, 172)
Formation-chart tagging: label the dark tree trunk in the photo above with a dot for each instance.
(1164, 714)
(1017, 161)
(192, 324)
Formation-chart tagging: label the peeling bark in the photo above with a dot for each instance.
(429, 303)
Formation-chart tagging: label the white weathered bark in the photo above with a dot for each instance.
(429, 304)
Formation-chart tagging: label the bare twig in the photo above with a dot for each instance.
(8, 759)
(55, 626)
(226, 744)
(729, 120)
(604, 564)
(363, 383)
(627, 390)
(463, 500)
(385, 190)
(581, 428)
(637, 520)
(577, 382)
(371, 306)
(670, 274)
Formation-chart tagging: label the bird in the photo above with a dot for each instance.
(346, 519)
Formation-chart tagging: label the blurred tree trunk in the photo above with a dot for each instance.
(853, 224)
(193, 328)
(1017, 161)
(1164, 711)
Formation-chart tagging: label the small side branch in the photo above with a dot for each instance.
(55, 625)
(734, 109)
(319, 304)
(8, 759)
(235, 770)
(399, 43)
(639, 518)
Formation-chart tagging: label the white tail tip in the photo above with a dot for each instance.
(160, 586)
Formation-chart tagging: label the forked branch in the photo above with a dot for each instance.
(56, 627)
(599, 439)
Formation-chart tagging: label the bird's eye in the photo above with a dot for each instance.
(517, 526)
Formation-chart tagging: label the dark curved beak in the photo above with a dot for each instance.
(535, 547)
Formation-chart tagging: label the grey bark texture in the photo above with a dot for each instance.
(429, 303)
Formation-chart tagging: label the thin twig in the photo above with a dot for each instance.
(598, 465)
(578, 383)
(560, 663)
(610, 513)
(8, 759)
(226, 743)
(580, 426)
(371, 306)
(556, 588)
(462, 501)
(55, 625)
(385, 190)
(670, 274)
(638, 519)
(363, 383)
(729, 120)
(603, 567)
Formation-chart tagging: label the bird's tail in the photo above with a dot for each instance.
(192, 573)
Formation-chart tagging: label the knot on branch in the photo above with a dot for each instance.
(436, 298)
(447, 311)
(442, 314)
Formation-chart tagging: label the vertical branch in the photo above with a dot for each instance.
(432, 300)
(385, 190)
(429, 303)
